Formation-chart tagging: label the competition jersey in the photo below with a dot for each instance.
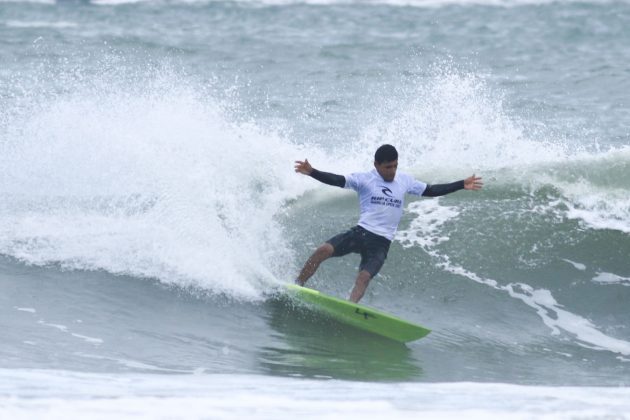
(382, 202)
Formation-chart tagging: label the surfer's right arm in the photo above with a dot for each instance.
(304, 167)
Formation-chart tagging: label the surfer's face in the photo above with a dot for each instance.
(387, 170)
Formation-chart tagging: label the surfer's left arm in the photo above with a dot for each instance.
(471, 183)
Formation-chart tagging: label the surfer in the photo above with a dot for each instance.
(381, 197)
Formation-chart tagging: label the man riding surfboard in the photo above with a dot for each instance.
(381, 196)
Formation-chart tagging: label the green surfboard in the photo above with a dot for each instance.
(359, 316)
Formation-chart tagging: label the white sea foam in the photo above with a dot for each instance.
(425, 231)
(611, 278)
(40, 24)
(592, 186)
(63, 394)
(31, 310)
(65, 329)
(150, 178)
(600, 209)
(59, 327)
(597, 194)
(454, 124)
(576, 265)
(91, 340)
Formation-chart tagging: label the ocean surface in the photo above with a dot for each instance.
(149, 211)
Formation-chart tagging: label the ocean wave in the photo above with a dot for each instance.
(394, 3)
(453, 125)
(425, 231)
(148, 178)
(74, 394)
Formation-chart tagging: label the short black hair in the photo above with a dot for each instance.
(385, 153)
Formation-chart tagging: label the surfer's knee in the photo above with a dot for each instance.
(324, 251)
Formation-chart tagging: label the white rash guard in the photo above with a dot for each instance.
(382, 202)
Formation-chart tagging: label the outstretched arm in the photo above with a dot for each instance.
(304, 167)
(471, 183)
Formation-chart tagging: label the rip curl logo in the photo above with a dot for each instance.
(387, 199)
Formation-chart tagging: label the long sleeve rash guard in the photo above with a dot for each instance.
(431, 190)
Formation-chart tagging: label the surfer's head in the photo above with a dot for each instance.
(386, 162)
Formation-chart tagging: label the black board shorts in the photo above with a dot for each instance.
(372, 247)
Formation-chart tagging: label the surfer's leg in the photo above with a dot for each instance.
(321, 254)
(337, 246)
(363, 279)
(373, 257)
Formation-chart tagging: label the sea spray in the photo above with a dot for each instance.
(149, 177)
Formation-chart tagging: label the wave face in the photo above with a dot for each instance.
(149, 209)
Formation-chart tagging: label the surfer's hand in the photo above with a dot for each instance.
(303, 167)
(473, 183)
